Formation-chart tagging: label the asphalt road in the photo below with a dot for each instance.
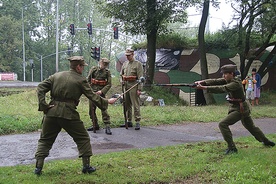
(20, 148)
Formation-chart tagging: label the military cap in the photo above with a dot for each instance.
(129, 52)
(77, 60)
(228, 68)
(105, 60)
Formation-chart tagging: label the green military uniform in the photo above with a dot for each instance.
(134, 70)
(239, 108)
(99, 80)
(65, 89)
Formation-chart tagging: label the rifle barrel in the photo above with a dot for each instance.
(176, 84)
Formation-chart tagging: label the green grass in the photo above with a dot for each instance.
(18, 112)
(185, 163)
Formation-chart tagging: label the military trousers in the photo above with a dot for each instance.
(247, 122)
(132, 99)
(50, 129)
(93, 115)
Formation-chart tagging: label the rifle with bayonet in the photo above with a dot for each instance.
(176, 84)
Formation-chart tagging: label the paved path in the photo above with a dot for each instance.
(20, 148)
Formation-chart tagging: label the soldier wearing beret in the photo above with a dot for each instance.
(99, 78)
(239, 108)
(66, 89)
(131, 71)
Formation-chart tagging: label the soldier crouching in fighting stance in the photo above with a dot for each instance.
(239, 107)
(65, 90)
(99, 78)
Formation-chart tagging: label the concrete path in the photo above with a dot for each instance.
(20, 148)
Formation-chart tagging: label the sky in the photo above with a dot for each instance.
(218, 17)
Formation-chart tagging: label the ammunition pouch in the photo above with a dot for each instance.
(129, 78)
(98, 82)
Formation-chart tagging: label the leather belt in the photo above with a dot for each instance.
(236, 100)
(68, 100)
(98, 82)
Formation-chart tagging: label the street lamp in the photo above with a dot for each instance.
(32, 68)
(57, 36)
(23, 43)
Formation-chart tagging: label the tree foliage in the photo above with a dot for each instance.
(40, 20)
(146, 17)
(256, 25)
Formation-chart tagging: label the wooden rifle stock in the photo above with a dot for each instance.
(93, 118)
(124, 104)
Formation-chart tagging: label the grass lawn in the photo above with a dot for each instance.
(195, 163)
(187, 163)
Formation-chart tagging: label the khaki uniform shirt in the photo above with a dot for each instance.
(66, 87)
(100, 74)
(132, 68)
(233, 88)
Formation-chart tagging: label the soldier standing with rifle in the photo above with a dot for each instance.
(131, 71)
(66, 89)
(239, 108)
(99, 78)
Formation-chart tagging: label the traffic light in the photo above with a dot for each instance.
(72, 29)
(93, 52)
(116, 34)
(97, 53)
(89, 28)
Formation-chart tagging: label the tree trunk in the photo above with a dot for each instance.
(151, 38)
(151, 56)
(202, 50)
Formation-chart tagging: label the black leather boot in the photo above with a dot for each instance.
(269, 143)
(137, 127)
(86, 166)
(108, 130)
(38, 166)
(92, 128)
(231, 151)
(129, 124)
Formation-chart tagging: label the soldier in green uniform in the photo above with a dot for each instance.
(239, 108)
(99, 78)
(131, 71)
(66, 89)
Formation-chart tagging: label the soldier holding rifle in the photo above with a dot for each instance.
(99, 78)
(66, 89)
(239, 108)
(131, 71)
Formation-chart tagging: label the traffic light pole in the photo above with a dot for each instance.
(109, 32)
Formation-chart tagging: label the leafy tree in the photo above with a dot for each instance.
(255, 29)
(9, 43)
(146, 17)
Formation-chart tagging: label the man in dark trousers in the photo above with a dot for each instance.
(131, 71)
(66, 89)
(99, 78)
(239, 107)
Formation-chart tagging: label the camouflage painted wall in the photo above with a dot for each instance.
(188, 70)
